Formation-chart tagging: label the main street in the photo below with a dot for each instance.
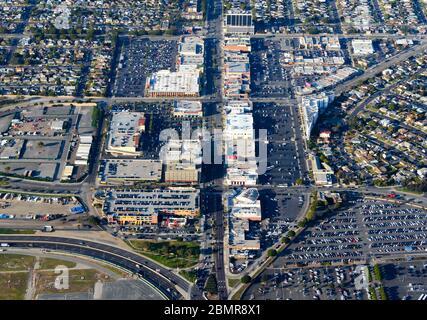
(212, 204)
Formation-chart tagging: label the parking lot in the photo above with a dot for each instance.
(136, 64)
(281, 208)
(268, 77)
(37, 149)
(360, 230)
(285, 158)
(158, 117)
(327, 283)
(405, 280)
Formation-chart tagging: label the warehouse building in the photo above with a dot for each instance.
(83, 150)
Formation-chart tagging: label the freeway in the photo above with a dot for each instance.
(163, 279)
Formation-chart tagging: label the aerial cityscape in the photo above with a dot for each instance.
(213, 150)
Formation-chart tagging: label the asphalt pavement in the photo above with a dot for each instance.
(159, 276)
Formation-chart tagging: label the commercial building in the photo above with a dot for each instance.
(83, 150)
(239, 141)
(165, 83)
(57, 125)
(128, 171)
(182, 160)
(362, 47)
(311, 106)
(246, 205)
(183, 108)
(244, 210)
(124, 133)
(241, 177)
(67, 173)
(322, 173)
(190, 53)
(243, 207)
(137, 207)
(237, 76)
(238, 22)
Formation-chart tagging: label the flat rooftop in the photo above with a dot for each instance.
(113, 170)
(177, 201)
(168, 82)
(125, 127)
(187, 108)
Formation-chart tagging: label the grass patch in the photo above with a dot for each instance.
(408, 190)
(114, 269)
(373, 293)
(13, 285)
(16, 231)
(96, 115)
(16, 262)
(239, 293)
(79, 281)
(50, 263)
(189, 275)
(172, 254)
(40, 194)
(233, 282)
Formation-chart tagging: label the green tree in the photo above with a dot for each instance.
(377, 272)
(291, 233)
(246, 279)
(383, 294)
(302, 223)
(285, 240)
(211, 285)
(272, 252)
(373, 293)
(90, 35)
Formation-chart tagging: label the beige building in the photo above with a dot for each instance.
(124, 133)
